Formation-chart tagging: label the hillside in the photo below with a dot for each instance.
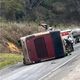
(10, 34)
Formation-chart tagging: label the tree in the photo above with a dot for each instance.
(14, 9)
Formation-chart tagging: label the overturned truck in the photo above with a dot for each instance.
(42, 46)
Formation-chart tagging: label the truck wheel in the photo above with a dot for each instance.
(24, 62)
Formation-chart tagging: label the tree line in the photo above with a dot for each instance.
(47, 10)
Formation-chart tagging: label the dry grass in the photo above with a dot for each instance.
(12, 31)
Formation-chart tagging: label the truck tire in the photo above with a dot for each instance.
(24, 62)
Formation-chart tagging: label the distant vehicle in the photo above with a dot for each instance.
(76, 34)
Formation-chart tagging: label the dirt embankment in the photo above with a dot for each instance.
(10, 34)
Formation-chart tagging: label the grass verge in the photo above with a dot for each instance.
(7, 59)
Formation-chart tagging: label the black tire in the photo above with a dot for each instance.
(37, 61)
(77, 40)
(71, 47)
(24, 62)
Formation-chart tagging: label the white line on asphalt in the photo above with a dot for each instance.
(57, 68)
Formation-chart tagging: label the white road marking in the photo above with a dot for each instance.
(42, 78)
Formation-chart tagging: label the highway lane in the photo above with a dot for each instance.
(66, 72)
(36, 71)
(70, 71)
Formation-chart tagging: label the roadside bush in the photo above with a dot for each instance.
(11, 32)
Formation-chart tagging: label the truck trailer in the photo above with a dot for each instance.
(42, 46)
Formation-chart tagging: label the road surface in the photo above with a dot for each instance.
(48, 70)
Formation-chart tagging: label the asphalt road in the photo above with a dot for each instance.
(49, 70)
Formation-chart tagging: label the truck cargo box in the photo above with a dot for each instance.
(42, 46)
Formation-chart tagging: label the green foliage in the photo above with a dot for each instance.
(50, 11)
(9, 59)
(13, 9)
(49, 2)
